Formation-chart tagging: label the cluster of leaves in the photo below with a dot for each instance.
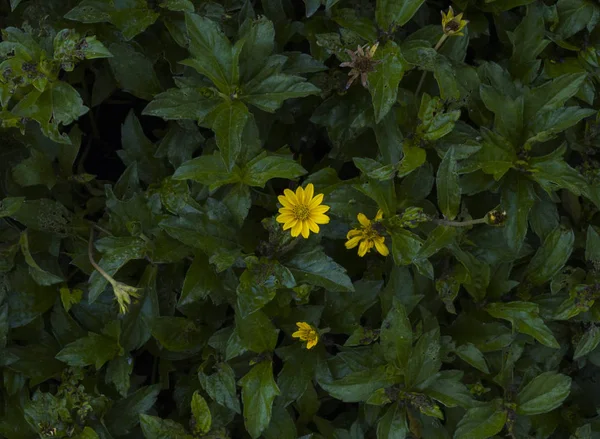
(146, 288)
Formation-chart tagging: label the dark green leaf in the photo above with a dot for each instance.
(258, 392)
(544, 393)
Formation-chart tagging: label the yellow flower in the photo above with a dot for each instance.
(301, 211)
(453, 25)
(307, 333)
(368, 235)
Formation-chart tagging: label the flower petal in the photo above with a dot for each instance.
(353, 232)
(312, 343)
(298, 334)
(379, 215)
(353, 242)
(309, 191)
(313, 226)
(303, 325)
(363, 248)
(363, 220)
(291, 197)
(300, 195)
(315, 201)
(320, 219)
(305, 229)
(284, 201)
(296, 229)
(319, 209)
(381, 247)
(290, 224)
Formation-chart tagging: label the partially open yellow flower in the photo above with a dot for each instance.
(307, 333)
(453, 25)
(302, 211)
(368, 236)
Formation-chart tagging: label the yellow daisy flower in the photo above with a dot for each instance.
(453, 25)
(307, 333)
(368, 236)
(302, 211)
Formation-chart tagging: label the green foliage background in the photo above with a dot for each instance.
(162, 131)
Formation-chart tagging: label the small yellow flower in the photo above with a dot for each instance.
(368, 235)
(301, 211)
(453, 25)
(307, 333)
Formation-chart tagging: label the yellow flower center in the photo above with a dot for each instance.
(301, 212)
(369, 232)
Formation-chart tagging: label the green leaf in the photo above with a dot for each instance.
(392, 424)
(469, 353)
(41, 276)
(183, 103)
(139, 149)
(256, 332)
(119, 372)
(551, 257)
(95, 349)
(125, 414)
(395, 12)
(201, 415)
(156, 428)
(270, 93)
(396, 336)
(358, 386)
(220, 386)
(405, 246)
(574, 15)
(259, 284)
(383, 82)
(259, 38)
(424, 361)
(588, 342)
(448, 188)
(448, 389)
(482, 422)
(518, 198)
(228, 122)
(258, 392)
(200, 281)
(131, 17)
(134, 71)
(552, 173)
(592, 245)
(309, 264)
(208, 170)
(547, 125)
(211, 51)
(35, 170)
(10, 205)
(263, 168)
(544, 393)
(177, 334)
(525, 319)
(59, 104)
(177, 5)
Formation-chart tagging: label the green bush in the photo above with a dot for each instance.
(327, 219)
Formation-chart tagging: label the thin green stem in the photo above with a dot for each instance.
(97, 267)
(441, 41)
(443, 222)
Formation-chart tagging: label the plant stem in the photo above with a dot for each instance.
(98, 268)
(441, 41)
(443, 222)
